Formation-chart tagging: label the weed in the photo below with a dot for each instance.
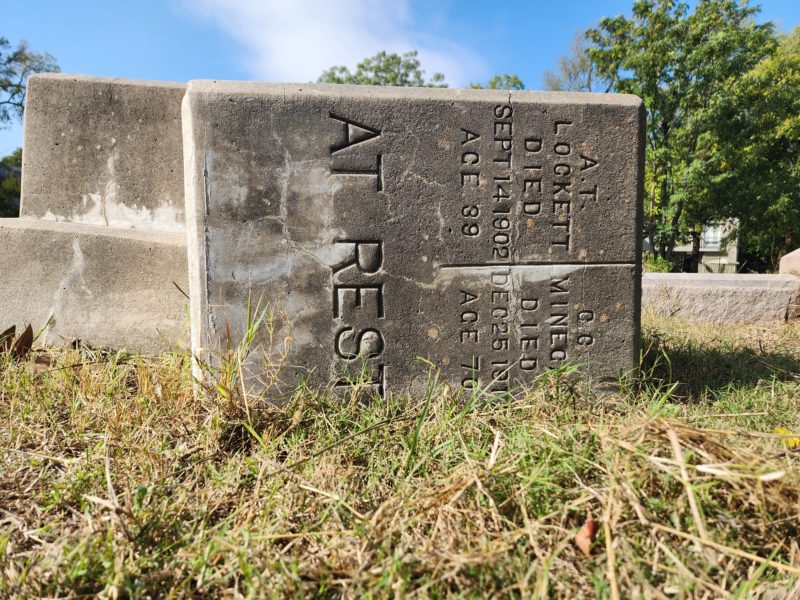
(117, 480)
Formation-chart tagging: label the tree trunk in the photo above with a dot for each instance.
(694, 258)
(674, 231)
(788, 246)
(651, 226)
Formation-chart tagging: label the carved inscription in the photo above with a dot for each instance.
(510, 325)
(357, 133)
(533, 177)
(470, 180)
(502, 181)
(566, 178)
(515, 181)
(357, 283)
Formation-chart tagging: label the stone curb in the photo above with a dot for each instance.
(722, 299)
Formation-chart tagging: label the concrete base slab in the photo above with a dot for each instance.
(109, 288)
(722, 299)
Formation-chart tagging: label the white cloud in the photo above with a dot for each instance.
(295, 40)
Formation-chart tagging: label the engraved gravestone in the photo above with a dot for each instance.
(491, 233)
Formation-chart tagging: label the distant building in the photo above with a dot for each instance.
(719, 250)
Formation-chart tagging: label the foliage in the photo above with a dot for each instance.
(405, 70)
(656, 264)
(10, 184)
(384, 69)
(683, 64)
(15, 66)
(747, 158)
(506, 81)
(116, 481)
(575, 71)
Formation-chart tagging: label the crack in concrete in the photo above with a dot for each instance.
(73, 280)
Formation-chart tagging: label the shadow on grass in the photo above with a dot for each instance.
(702, 367)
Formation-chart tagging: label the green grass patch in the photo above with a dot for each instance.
(116, 480)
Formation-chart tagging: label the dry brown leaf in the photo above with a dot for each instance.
(42, 364)
(7, 338)
(586, 535)
(23, 343)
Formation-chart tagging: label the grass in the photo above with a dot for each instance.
(115, 481)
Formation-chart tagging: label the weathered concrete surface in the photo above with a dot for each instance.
(790, 264)
(101, 239)
(721, 299)
(103, 151)
(107, 287)
(466, 227)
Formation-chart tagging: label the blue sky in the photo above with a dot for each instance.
(294, 40)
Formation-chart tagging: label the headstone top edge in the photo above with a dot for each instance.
(71, 228)
(721, 279)
(211, 87)
(94, 79)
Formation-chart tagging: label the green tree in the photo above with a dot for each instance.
(506, 81)
(748, 158)
(15, 66)
(384, 69)
(682, 63)
(575, 71)
(10, 185)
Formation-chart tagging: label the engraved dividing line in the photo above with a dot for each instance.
(535, 263)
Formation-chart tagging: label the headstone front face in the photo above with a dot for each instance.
(491, 233)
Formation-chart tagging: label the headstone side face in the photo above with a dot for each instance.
(492, 234)
(103, 151)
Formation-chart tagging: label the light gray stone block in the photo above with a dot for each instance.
(721, 299)
(382, 221)
(107, 287)
(103, 151)
(790, 264)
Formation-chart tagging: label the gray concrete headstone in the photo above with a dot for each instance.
(99, 252)
(103, 151)
(109, 288)
(491, 233)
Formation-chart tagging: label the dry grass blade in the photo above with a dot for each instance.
(611, 556)
(7, 339)
(677, 451)
(117, 481)
(731, 551)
